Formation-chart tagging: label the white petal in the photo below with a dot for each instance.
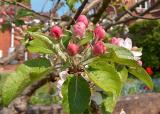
(60, 93)
(137, 58)
(97, 97)
(63, 75)
(122, 112)
(137, 53)
(121, 42)
(59, 84)
(128, 43)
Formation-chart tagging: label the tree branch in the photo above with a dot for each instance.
(131, 9)
(101, 10)
(55, 8)
(90, 6)
(25, 7)
(124, 13)
(135, 17)
(29, 9)
(141, 17)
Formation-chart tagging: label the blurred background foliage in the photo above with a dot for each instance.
(146, 34)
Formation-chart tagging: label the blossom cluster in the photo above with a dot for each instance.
(127, 43)
(79, 31)
(97, 45)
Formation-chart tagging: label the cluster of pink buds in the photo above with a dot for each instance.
(79, 31)
(99, 35)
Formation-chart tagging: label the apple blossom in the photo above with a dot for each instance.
(99, 48)
(99, 32)
(72, 49)
(83, 19)
(127, 43)
(115, 41)
(79, 29)
(60, 82)
(57, 32)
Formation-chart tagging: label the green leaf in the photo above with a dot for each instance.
(109, 81)
(111, 100)
(87, 38)
(35, 28)
(13, 86)
(140, 73)
(5, 26)
(65, 40)
(120, 55)
(23, 13)
(104, 75)
(110, 103)
(26, 74)
(101, 64)
(19, 22)
(40, 44)
(3, 77)
(123, 74)
(65, 102)
(71, 3)
(78, 94)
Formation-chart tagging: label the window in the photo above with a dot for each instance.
(143, 6)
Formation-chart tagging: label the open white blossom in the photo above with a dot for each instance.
(60, 82)
(127, 43)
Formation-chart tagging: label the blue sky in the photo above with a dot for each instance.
(37, 5)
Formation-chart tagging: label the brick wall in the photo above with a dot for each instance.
(5, 42)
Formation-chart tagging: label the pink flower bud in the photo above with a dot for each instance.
(3, 12)
(140, 62)
(115, 41)
(79, 29)
(2, 21)
(11, 10)
(83, 19)
(99, 32)
(56, 31)
(72, 49)
(99, 48)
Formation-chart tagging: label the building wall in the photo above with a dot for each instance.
(5, 42)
